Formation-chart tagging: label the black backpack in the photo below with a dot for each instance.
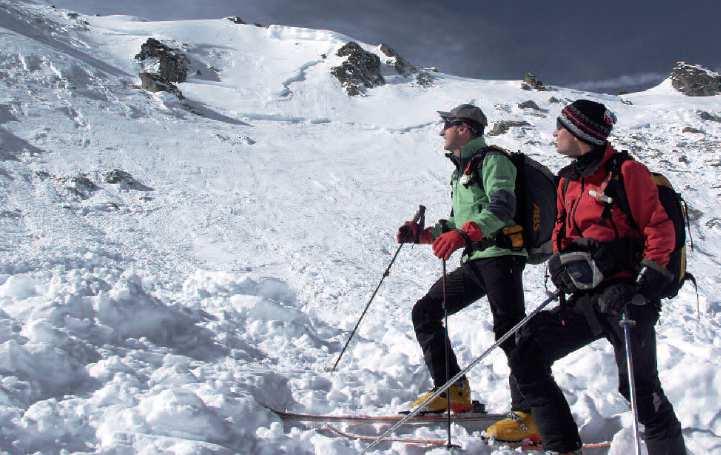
(676, 209)
(535, 205)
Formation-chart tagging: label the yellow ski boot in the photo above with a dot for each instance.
(519, 426)
(460, 393)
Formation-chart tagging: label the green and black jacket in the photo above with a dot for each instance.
(490, 203)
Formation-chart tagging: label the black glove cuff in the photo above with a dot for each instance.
(652, 279)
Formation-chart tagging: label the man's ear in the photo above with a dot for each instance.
(467, 130)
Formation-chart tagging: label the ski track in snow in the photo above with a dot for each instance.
(160, 321)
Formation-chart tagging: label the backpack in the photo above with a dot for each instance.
(676, 210)
(535, 205)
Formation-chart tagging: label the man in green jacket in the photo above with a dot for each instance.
(484, 204)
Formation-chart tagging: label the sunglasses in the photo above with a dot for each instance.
(559, 125)
(449, 123)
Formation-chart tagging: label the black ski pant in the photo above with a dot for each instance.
(553, 334)
(499, 278)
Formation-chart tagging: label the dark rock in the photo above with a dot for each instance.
(531, 105)
(424, 79)
(689, 129)
(703, 115)
(530, 82)
(503, 126)
(695, 80)
(172, 65)
(125, 180)
(401, 65)
(154, 83)
(236, 20)
(713, 223)
(81, 186)
(554, 100)
(360, 71)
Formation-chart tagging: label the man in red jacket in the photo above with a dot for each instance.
(608, 264)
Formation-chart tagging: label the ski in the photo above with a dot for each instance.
(435, 442)
(538, 447)
(363, 437)
(479, 418)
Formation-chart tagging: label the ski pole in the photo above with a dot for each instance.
(447, 343)
(461, 373)
(627, 323)
(420, 219)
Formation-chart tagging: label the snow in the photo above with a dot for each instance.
(163, 321)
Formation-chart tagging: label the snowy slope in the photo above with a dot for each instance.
(158, 321)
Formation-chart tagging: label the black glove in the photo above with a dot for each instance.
(614, 298)
(574, 271)
(559, 276)
(652, 280)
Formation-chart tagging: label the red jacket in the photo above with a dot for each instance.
(579, 213)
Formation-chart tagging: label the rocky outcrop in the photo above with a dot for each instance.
(169, 64)
(695, 80)
(424, 79)
(360, 70)
(125, 181)
(530, 104)
(239, 20)
(690, 129)
(80, 186)
(530, 82)
(707, 116)
(401, 65)
(503, 126)
(154, 83)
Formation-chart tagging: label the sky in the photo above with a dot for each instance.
(601, 46)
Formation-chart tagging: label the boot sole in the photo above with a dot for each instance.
(533, 439)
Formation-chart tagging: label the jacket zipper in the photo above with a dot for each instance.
(574, 226)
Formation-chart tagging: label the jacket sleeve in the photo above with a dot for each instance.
(657, 230)
(560, 217)
(499, 183)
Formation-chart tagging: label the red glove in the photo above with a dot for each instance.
(448, 242)
(473, 230)
(410, 231)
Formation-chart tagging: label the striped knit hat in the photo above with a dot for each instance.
(587, 120)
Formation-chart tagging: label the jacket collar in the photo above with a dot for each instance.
(587, 164)
(468, 151)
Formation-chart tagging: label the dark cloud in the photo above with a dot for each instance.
(564, 42)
